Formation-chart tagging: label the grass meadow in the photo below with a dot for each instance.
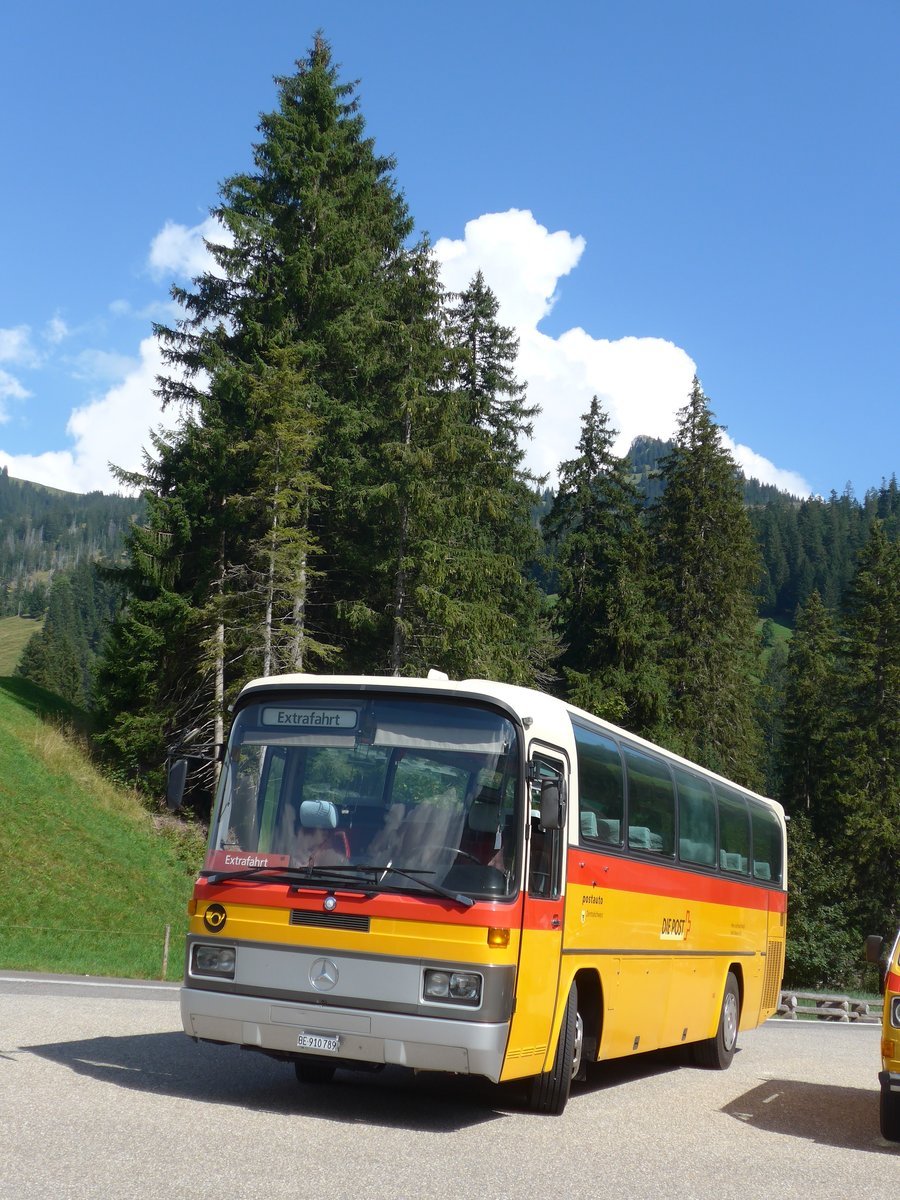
(14, 633)
(91, 878)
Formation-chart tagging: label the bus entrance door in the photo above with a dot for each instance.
(537, 980)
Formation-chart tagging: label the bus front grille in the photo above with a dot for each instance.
(325, 920)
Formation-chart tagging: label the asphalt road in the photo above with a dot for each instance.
(102, 1095)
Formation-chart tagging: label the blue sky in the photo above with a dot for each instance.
(651, 188)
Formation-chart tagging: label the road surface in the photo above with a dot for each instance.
(102, 1095)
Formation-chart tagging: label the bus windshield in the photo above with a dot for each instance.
(416, 793)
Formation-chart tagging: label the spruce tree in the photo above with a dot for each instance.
(866, 763)
(57, 656)
(610, 632)
(481, 605)
(285, 343)
(808, 718)
(707, 570)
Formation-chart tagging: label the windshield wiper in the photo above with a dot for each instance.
(413, 873)
(336, 873)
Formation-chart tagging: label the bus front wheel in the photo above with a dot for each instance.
(549, 1093)
(314, 1070)
(717, 1052)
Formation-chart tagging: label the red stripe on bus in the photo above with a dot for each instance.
(632, 875)
(892, 982)
(384, 906)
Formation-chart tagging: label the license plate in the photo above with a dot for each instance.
(322, 1042)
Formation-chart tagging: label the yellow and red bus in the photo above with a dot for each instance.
(472, 877)
(889, 1075)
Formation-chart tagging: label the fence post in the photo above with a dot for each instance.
(166, 951)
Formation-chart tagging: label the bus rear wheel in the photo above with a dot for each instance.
(549, 1093)
(717, 1052)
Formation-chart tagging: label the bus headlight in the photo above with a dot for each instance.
(453, 987)
(213, 960)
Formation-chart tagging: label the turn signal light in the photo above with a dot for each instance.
(498, 937)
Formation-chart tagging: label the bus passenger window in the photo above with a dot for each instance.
(600, 792)
(651, 804)
(696, 818)
(734, 832)
(766, 845)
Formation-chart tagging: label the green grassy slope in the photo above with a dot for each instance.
(88, 884)
(14, 633)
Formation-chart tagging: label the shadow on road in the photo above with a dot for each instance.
(170, 1064)
(829, 1115)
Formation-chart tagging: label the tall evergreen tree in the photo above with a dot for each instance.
(57, 656)
(610, 631)
(867, 745)
(707, 572)
(308, 265)
(808, 718)
(484, 609)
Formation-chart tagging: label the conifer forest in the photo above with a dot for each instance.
(345, 491)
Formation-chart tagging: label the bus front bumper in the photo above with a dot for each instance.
(363, 1036)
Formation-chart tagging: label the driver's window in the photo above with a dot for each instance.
(544, 863)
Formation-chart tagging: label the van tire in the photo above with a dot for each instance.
(889, 1113)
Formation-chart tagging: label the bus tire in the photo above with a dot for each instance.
(717, 1052)
(549, 1093)
(314, 1070)
(889, 1114)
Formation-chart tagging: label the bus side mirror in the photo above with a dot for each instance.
(175, 783)
(552, 803)
(874, 946)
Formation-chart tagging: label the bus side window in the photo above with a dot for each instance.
(600, 787)
(696, 818)
(767, 865)
(651, 804)
(734, 832)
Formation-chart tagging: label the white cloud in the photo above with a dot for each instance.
(10, 389)
(521, 260)
(16, 347)
(755, 466)
(181, 250)
(10, 386)
(102, 366)
(642, 382)
(56, 330)
(113, 428)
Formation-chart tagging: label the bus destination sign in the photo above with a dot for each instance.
(311, 718)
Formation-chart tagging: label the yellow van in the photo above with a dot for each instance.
(889, 1076)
